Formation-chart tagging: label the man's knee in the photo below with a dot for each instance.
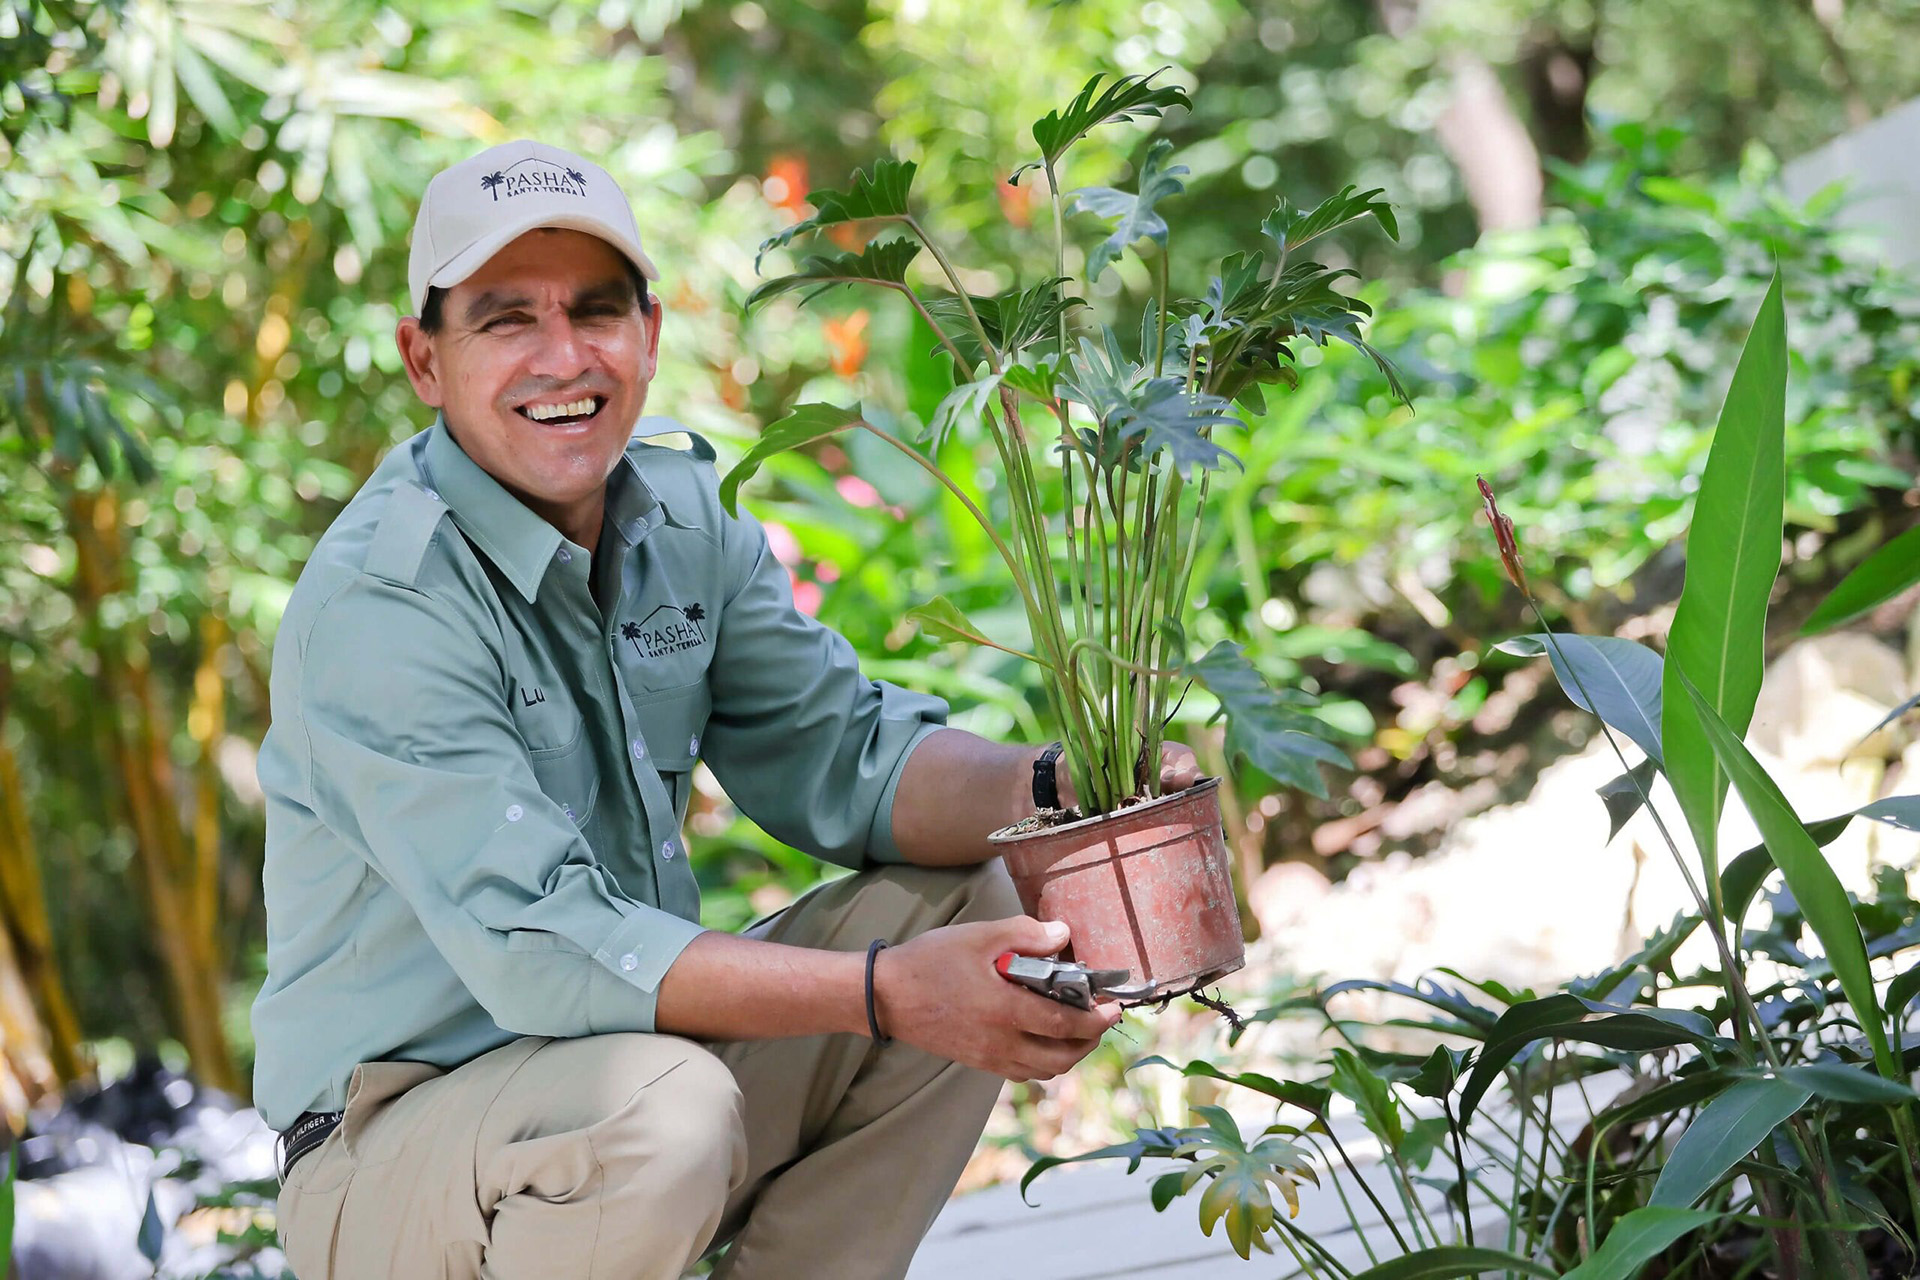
(661, 1101)
(990, 894)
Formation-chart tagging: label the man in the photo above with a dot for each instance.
(494, 1036)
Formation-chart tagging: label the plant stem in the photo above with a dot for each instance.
(966, 302)
(1460, 1164)
(1379, 1208)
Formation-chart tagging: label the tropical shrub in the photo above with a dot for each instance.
(1762, 1119)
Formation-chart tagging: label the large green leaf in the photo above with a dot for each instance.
(1569, 1017)
(803, 426)
(1746, 873)
(882, 195)
(1636, 1239)
(1263, 727)
(1124, 99)
(1823, 902)
(1718, 638)
(1622, 677)
(964, 405)
(884, 263)
(1874, 581)
(1160, 412)
(1837, 1082)
(1453, 1262)
(1290, 227)
(1014, 320)
(1137, 217)
(1726, 1129)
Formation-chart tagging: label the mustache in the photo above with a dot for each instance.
(550, 389)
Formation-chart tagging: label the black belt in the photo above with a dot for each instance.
(308, 1132)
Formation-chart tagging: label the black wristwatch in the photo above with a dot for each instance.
(1046, 795)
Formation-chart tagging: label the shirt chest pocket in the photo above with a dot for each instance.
(568, 777)
(671, 723)
(664, 639)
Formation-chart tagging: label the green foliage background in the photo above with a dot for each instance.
(203, 219)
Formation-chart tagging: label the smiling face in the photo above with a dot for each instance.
(540, 364)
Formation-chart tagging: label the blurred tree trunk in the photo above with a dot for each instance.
(1481, 133)
(173, 868)
(44, 1033)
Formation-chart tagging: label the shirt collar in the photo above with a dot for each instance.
(519, 542)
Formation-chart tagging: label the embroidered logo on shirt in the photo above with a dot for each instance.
(668, 629)
(531, 697)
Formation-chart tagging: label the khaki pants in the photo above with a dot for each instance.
(627, 1156)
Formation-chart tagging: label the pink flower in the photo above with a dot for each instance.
(806, 595)
(785, 547)
(857, 491)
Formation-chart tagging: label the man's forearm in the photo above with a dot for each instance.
(725, 987)
(955, 790)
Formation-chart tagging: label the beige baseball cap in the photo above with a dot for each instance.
(476, 208)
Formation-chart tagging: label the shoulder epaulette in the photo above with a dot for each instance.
(660, 425)
(404, 533)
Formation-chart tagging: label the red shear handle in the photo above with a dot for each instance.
(1001, 962)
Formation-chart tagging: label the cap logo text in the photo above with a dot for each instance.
(534, 175)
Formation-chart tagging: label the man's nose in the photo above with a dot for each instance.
(562, 352)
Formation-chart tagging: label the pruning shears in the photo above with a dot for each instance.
(1069, 981)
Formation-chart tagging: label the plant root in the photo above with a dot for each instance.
(1220, 1007)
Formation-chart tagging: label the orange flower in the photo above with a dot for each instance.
(1016, 202)
(785, 185)
(847, 342)
(1503, 534)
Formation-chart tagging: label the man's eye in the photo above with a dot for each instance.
(500, 322)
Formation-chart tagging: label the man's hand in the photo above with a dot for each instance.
(941, 993)
(1179, 769)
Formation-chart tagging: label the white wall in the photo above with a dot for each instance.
(1880, 162)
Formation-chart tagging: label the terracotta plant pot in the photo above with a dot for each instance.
(1148, 889)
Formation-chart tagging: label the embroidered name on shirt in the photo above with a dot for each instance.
(530, 697)
(668, 629)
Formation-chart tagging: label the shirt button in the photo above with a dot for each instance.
(666, 850)
(432, 493)
(629, 962)
(564, 556)
(569, 812)
(639, 749)
(515, 813)
(693, 745)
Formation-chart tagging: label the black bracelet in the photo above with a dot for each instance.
(1046, 791)
(874, 948)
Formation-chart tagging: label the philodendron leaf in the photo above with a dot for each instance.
(1733, 556)
(1124, 99)
(1173, 418)
(1726, 1129)
(1014, 319)
(1240, 1176)
(1439, 1072)
(1874, 581)
(883, 264)
(1137, 217)
(1454, 1262)
(1568, 1017)
(1371, 1096)
(965, 404)
(803, 426)
(1622, 676)
(1262, 728)
(1145, 1142)
(942, 619)
(1290, 227)
(1311, 1098)
(1823, 902)
(1636, 1239)
(883, 195)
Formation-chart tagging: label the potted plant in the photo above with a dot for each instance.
(1105, 436)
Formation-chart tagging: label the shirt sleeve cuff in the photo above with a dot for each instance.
(624, 984)
(880, 842)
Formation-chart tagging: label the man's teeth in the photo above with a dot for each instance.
(548, 412)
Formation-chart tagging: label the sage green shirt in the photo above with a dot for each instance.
(481, 751)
